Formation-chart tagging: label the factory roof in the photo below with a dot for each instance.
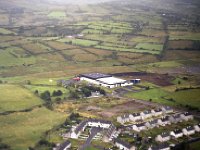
(95, 75)
(111, 80)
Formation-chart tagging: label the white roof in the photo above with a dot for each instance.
(111, 80)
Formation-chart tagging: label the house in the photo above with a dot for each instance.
(157, 112)
(188, 130)
(167, 109)
(64, 146)
(135, 81)
(77, 131)
(177, 133)
(175, 118)
(164, 137)
(135, 117)
(139, 127)
(104, 80)
(123, 119)
(164, 121)
(123, 145)
(152, 123)
(163, 146)
(98, 123)
(91, 123)
(108, 136)
(197, 127)
(146, 114)
(187, 116)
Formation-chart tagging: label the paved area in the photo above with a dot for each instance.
(93, 132)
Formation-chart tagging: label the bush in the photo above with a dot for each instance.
(46, 96)
(57, 93)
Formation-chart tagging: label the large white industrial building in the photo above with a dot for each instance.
(104, 80)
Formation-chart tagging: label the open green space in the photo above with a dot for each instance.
(57, 14)
(80, 42)
(22, 130)
(8, 59)
(14, 98)
(150, 46)
(5, 31)
(185, 96)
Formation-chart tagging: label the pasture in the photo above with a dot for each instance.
(57, 14)
(22, 130)
(15, 98)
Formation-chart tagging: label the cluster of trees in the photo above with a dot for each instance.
(85, 91)
(46, 96)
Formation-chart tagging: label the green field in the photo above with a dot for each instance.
(22, 130)
(183, 97)
(14, 98)
(5, 31)
(154, 94)
(79, 42)
(156, 47)
(57, 14)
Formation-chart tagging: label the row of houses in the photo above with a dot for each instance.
(144, 115)
(104, 124)
(177, 133)
(167, 120)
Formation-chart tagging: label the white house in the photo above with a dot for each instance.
(175, 118)
(123, 145)
(188, 130)
(91, 123)
(109, 135)
(135, 117)
(64, 146)
(160, 147)
(197, 127)
(152, 123)
(157, 112)
(77, 131)
(187, 116)
(164, 137)
(167, 110)
(164, 121)
(98, 123)
(177, 133)
(139, 127)
(146, 114)
(123, 119)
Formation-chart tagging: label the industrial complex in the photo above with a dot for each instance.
(104, 80)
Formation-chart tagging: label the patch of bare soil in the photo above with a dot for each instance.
(127, 107)
(158, 79)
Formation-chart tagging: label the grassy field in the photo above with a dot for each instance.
(154, 94)
(22, 130)
(57, 14)
(5, 31)
(14, 98)
(7, 59)
(182, 97)
(156, 47)
(79, 42)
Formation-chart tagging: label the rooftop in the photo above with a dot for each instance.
(127, 145)
(111, 80)
(95, 75)
(63, 145)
